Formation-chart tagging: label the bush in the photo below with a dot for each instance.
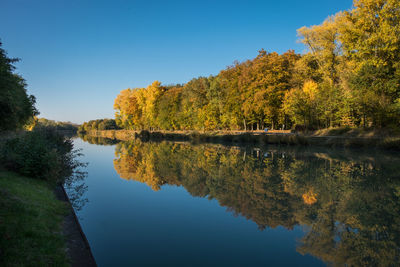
(41, 154)
(144, 135)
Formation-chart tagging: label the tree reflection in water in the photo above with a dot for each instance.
(75, 184)
(348, 202)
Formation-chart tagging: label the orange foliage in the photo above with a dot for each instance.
(310, 197)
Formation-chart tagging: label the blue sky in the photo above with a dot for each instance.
(78, 55)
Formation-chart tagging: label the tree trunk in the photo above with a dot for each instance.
(364, 120)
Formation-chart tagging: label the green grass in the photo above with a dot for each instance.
(30, 223)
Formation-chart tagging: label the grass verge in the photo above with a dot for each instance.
(30, 223)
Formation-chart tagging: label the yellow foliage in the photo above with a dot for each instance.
(310, 88)
(310, 197)
(31, 123)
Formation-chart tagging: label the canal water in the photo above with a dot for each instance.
(179, 204)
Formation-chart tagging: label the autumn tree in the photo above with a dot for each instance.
(169, 109)
(232, 116)
(129, 113)
(194, 99)
(370, 34)
(324, 46)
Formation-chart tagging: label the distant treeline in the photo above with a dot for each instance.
(56, 125)
(350, 76)
(100, 124)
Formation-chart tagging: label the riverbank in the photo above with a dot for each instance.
(78, 248)
(321, 138)
(36, 227)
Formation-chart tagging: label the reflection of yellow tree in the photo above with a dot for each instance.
(133, 165)
(309, 197)
(247, 187)
(352, 223)
(351, 207)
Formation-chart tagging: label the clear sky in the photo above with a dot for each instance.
(77, 55)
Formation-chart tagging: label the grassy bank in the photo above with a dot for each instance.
(331, 138)
(30, 223)
(32, 220)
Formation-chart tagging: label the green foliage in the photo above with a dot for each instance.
(16, 107)
(101, 124)
(56, 125)
(370, 36)
(41, 154)
(169, 108)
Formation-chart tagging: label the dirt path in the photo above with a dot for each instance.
(78, 249)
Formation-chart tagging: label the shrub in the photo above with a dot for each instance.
(41, 154)
(144, 135)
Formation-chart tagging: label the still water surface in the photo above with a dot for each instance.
(177, 204)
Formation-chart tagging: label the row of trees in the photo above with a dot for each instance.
(55, 125)
(349, 77)
(100, 124)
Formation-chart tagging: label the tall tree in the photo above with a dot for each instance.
(16, 106)
(370, 34)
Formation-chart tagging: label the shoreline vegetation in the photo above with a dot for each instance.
(36, 159)
(349, 138)
(35, 225)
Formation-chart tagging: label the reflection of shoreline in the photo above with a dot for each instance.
(336, 153)
(75, 185)
(98, 140)
(336, 195)
(255, 137)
